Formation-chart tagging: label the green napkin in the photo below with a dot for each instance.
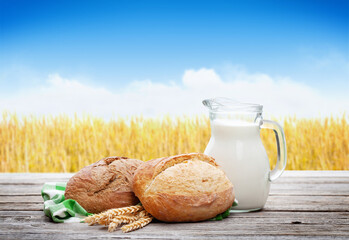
(59, 209)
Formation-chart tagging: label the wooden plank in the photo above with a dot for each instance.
(287, 177)
(326, 174)
(272, 200)
(21, 199)
(283, 180)
(286, 174)
(258, 225)
(302, 205)
(266, 217)
(35, 175)
(310, 180)
(274, 203)
(7, 190)
(83, 236)
(307, 203)
(21, 206)
(228, 227)
(341, 189)
(33, 179)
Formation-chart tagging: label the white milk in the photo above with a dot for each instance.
(238, 149)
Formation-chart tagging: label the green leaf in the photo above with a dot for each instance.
(235, 203)
(224, 214)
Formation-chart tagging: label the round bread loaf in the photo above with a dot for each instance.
(183, 188)
(105, 184)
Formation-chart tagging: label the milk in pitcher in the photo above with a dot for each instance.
(239, 151)
(237, 147)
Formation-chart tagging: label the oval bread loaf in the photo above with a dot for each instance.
(105, 184)
(183, 188)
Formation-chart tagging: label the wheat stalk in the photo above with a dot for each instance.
(105, 218)
(142, 214)
(137, 224)
(119, 220)
(135, 216)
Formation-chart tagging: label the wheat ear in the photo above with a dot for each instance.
(141, 214)
(119, 220)
(122, 211)
(109, 215)
(137, 224)
(90, 220)
(105, 217)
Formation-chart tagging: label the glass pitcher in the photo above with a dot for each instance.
(237, 147)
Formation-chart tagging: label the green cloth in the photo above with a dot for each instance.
(59, 209)
(225, 214)
(63, 211)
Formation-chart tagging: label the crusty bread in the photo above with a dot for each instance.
(183, 188)
(105, 184)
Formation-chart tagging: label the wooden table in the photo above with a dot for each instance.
(301, 205)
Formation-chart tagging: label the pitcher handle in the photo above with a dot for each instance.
(281, 148)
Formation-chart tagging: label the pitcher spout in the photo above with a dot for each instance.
(214, 104)
(223, 104)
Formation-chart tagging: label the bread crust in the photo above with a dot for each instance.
(105, 184)
(148, 171)
(180, 207)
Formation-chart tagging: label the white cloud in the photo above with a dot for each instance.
(280, 97)
(202, 78)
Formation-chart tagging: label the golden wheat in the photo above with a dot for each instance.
(117, 221)
(142, 222)
(134, 216)
(66, 144)
(106, 217)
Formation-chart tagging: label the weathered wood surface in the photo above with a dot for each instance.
(301, 205)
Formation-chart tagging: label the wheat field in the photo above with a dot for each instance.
(66, 144)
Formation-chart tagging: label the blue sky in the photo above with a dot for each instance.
(113, 44)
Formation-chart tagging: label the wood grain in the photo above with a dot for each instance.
(301, 205)
(335, 188)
